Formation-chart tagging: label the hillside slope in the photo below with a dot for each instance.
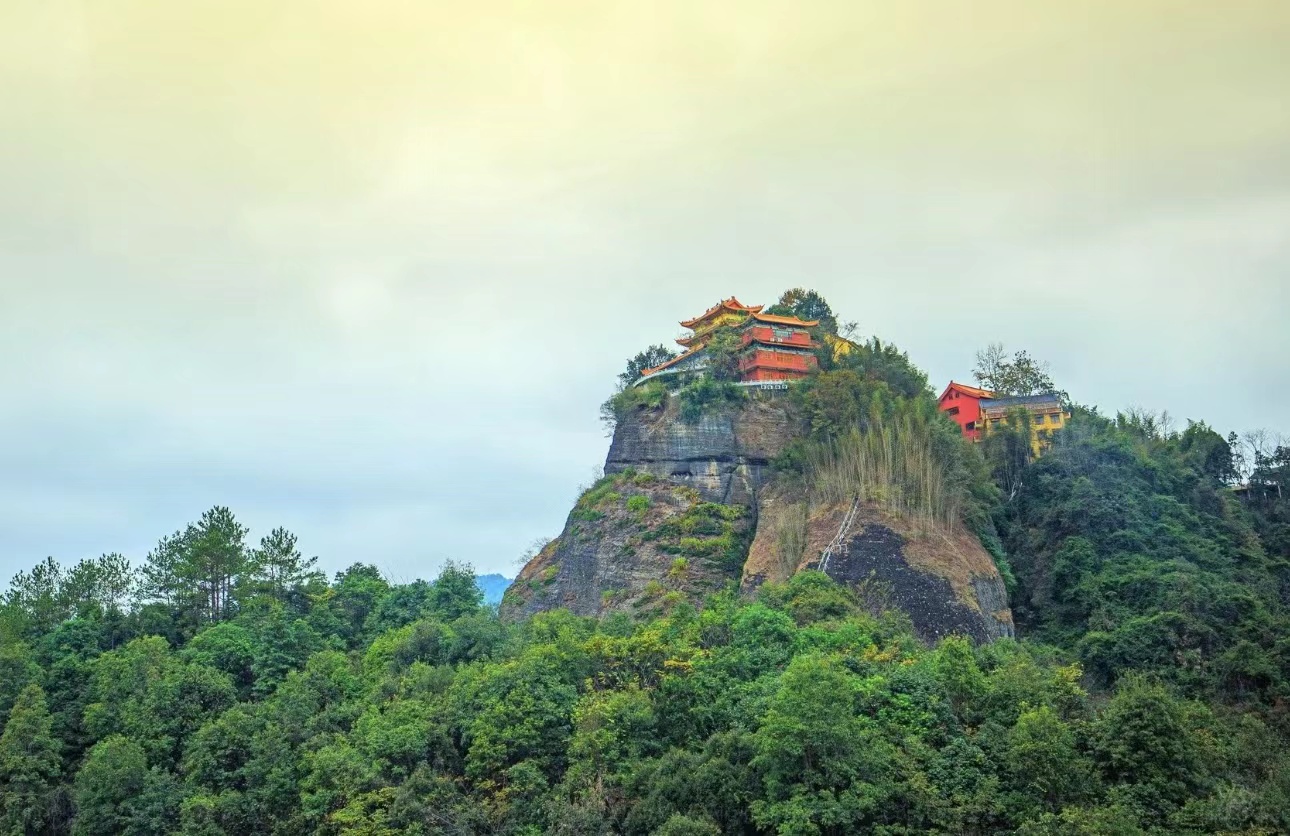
(687, 508)
(946, 582)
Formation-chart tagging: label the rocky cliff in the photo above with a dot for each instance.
(672, 517)
(724, 456)
(685, 509)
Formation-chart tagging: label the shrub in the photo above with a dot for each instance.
(705, 394)
(700, 546)
(697, 524)
(639, 503)
(600, 493)
(650, 396)
(715, 510)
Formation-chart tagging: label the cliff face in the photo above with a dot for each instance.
(724, 456)
(685, 509)
(672, 517)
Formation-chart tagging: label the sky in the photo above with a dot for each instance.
(367, 270)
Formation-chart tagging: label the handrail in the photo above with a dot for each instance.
(664, 373)
(838, 544)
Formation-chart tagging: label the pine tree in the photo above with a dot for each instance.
(215, 559)
(196, 569)
(36, 595)
(103, 582)
(277, 567)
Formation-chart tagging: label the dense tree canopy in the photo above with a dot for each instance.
(1131, 550)
(361, 706)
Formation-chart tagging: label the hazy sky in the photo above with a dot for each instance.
(366, 269)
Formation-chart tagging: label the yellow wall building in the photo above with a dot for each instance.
(1047, 415)
(841, 346)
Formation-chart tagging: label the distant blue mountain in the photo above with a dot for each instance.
(492, 586)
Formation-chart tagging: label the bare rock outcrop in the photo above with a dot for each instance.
(724, 455)
(686, 508)
(945, 581)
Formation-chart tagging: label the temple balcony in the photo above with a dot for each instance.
(777, 360)
(778, 336)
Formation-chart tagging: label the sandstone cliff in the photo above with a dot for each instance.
(672, 517)
(685, 509)
(724, 456)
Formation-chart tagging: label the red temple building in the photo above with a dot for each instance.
(963, 404)
(777, 348)
(773, 348)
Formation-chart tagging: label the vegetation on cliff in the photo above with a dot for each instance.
(871, 428)
(687, 547)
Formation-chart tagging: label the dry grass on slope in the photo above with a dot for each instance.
(892, 465)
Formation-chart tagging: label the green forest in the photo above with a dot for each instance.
(225, 686)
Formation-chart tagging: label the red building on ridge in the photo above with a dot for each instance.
(772, 347)
(777, 348)
(979, 412)
(963, 404)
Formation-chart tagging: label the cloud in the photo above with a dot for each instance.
(368, 270)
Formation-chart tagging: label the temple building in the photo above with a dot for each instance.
(729, 312)
(963, 404)
(776, 348)
(978, 411)
(771, 348)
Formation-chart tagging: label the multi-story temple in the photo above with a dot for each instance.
(771, 348)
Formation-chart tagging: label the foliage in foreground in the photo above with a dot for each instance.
(374, 709)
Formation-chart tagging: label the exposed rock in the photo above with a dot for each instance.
(699, 482)
(724, 455)
(634, 543)
(946, 583)
(680, 503)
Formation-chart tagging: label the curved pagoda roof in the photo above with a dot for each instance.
(970, 391)
(772, 319)
(732, 304)
(661, 366)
